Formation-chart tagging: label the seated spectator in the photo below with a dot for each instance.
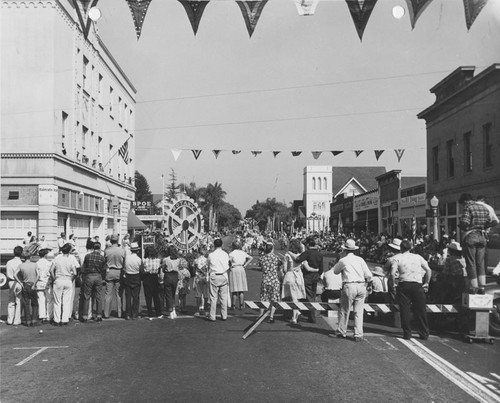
(451, 281)
(380, 288)
(332, 282)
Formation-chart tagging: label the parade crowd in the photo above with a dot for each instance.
(42, 284)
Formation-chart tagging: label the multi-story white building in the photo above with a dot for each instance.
(67, 109)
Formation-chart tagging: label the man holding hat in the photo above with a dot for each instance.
(132, 281)
(115, 262)
(355, 275)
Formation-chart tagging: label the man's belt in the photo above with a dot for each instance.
(354, 282)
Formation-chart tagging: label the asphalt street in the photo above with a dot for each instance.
(190, 359)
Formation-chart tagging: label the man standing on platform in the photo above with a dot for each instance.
(474, 221)
(115, 262)
(355, 275)
(410, 290)
(218, 265)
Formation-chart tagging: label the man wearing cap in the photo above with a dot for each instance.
(410, 291)
(14, 304)
(27, 276)
(93, 270)
(311, 272)
(218, 265)
(355, 275)
(115, 262)
(132, 281)
(474, 221)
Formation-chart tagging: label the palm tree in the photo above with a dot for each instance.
(214, 195)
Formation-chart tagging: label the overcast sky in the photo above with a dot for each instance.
(300, 83)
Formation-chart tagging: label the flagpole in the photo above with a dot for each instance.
(116, 152)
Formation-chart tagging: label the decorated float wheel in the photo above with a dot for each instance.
(184, 223)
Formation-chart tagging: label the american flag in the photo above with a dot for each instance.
(123, 151)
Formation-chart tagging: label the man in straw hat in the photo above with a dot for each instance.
(410, 290)
(132, 281)
(355, 275)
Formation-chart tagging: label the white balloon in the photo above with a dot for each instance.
(94, 14)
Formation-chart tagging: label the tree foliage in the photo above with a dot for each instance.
(267, 212)
(142, 191)
(173, 187)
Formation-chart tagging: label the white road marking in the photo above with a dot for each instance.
(489, 383)
(495, 375)
(40, 350)
(464, 381)
(447, 345)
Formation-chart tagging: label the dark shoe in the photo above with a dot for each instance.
(83, 320)
(99, 319)
(271, 320)
(127, 317)
(210, 320)
(358, 339)
(407, 336)
(64, 323)
(340, 336)
(55, 324)
(424, 337)
(224, 319)
(105, 317)
(471, 291)
(480, 291)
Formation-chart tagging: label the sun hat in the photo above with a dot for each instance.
(378, 271)
(350, 244)
(114, 237)
(396, 244)
(455, 245)
(134, 246)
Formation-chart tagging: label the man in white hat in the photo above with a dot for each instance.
(411, 291)
(132, 281)
(355, 275)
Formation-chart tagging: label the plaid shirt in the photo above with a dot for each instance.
(94, 262)
(475, 216)
(151, 266)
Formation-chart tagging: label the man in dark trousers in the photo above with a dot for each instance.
(312, 271)
(93, 270)
(115, 263)
(27, 276)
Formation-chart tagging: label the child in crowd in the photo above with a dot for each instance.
(200, 283)
(332, 283)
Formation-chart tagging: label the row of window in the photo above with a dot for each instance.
(469, 157)
(319, 183)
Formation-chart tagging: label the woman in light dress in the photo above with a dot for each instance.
(238, 260)
(200, 283)
(293, 281)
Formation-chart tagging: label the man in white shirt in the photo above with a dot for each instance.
(14, 304)
(355, 275)
(218, 265)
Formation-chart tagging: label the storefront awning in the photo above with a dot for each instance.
(133, 222)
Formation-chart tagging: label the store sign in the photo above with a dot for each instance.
(142, 204)
(48, 195)
(417, 199)
(367, 202)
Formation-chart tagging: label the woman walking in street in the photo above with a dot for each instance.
(293, 281)
(238, 261)
(271, 286)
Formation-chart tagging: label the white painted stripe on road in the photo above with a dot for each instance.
(455, 375)
(40, 350)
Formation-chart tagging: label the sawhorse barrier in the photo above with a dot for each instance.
(331, 306)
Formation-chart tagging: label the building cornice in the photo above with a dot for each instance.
(67, 161)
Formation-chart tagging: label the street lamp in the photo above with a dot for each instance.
(434, 205)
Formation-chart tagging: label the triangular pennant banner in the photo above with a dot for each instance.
(255, 153)
(358, 152)
(194, 10)
(296, 153)
(275, 153)
(196, 153)
(251, 11)
(399, 153)
(335, 153)
(378, 153)
(316, 154)
(138, 8)
(176, 153)
(216, 153)
(306, 7)
(236, 151)
(472, 10)
(84, 19)
(416, 8)
(360, 12)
